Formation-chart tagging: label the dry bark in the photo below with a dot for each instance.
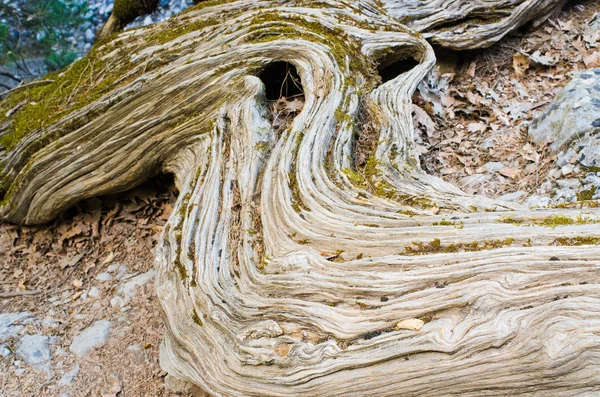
(285, 269)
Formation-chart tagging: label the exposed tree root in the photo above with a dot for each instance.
(285, 269)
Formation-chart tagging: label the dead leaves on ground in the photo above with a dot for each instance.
(84, 237)
(465, 120)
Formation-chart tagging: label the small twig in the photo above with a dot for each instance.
(4, 295)
(69, 275)
(26, 85)
(11, 76)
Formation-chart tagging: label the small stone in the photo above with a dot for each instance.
(567, 169)
(117, 301)
(571, 114)
(129, 288)
(113, 267)
(554, 173)
(69, 376)
(89, 36)
(5, 351)
(94, 292)
(590, 156)
(50, 323)
(568, 157)
(35, 351)
(538, 201)
(545, 188)
(122, 272)
(104, 277)
(412, 324)
(147, 21)
(19, 371)
(494, 166)
(93, 337)
(569, 183)
(10, 323)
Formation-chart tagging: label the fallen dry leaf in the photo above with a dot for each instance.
(509, 172)
(521, 63)
(591, 59)
(471, 69)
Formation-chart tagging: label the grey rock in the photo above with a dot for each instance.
(89, 36)
(117, 301)
(94, 292)
(565, 195)
(494, 166)
(35, 351)
(568, 183)
(112, 268)
(104, 277)
(5, 351)
(567, 169)
(122, 272)
(574, 112)
(69, 376)
(11, 323)
(589, 156)
(50, 323)
(538, 201)
(545, 188)
(554, 173)
(19, 371)
(92, 337)
(128, 289)
(568, 157)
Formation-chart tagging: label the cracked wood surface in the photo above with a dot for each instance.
(285, 270)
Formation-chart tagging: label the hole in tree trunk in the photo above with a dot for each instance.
(281, 79)
(392, 66)
(284, 93)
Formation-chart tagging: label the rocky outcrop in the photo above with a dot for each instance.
(573, 118)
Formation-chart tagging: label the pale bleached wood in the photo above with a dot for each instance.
(252, 305)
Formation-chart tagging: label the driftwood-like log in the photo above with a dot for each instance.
(288, 268)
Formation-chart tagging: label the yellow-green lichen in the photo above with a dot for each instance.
(511, 219)
(196, 317)
(435, 246)
(576, 241)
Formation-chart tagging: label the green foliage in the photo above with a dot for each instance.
(40, 28)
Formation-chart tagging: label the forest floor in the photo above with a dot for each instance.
(472, 114)
(92, 268)
(80, 264)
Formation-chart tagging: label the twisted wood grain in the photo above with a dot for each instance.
(278, 273)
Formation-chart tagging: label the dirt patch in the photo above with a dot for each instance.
(76, 266)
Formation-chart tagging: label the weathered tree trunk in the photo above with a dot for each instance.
(288, 268)
(125, 12)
